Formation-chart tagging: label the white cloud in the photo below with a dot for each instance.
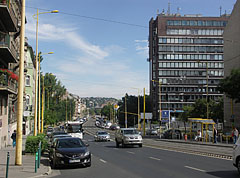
(142, 47)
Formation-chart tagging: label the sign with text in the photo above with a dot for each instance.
(165, 114)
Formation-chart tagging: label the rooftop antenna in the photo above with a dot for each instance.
(157, 11)
(220, 11)
(169, 5)
(178, 10)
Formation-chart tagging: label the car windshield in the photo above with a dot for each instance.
(129, 132)
(102, 133)
(74, 128)
(70, 143)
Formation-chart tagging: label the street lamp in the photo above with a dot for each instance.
(160, 107)
(18, 152)
(35, 16)
(40, 130)
(39, 90)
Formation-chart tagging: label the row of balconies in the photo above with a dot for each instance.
(8, 84)
(8, 48)
(9, 15)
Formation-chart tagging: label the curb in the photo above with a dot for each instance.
(196, 143)
(44, 174)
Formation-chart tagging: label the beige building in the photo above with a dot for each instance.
(232, 61)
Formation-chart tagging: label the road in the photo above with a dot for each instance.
(134, 162)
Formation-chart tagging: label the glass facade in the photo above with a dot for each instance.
(200, 23)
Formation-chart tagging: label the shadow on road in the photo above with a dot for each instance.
(224, 174)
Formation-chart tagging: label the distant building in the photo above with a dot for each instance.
(186, 57)
(232, 61)
(29, 90)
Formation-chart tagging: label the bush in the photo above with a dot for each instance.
(32, 143)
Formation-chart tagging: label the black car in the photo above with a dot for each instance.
(172, 134)
(69, 151)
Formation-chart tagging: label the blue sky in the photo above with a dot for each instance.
(99, 58)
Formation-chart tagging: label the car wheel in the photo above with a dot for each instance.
(88, 164)
(117, 144)
(123, 145)
(140, 145)
(238, 165)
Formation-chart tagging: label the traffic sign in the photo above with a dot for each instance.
(165, 114)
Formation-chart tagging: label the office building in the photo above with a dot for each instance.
(186, 60)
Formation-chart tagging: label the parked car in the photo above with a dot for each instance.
(57, 133)
(51, 140)
(69, 151)
(49, 131)
(151, 132)
(128, 136)
(172, 134)
(102, 136)
(114, 127)
(236, 155)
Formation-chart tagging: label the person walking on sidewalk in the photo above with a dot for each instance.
(13, 137)
(215, 134)
(235, 135)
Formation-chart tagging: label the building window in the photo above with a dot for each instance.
(27, 100)
(5, 106)
(27, 80)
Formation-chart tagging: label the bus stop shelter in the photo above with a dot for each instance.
(205, 126)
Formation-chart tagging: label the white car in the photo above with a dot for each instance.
(128, 136)
(236, 155)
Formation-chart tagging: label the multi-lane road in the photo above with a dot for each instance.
(134, 162)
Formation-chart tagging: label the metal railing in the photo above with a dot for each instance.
(8, 83)
(14, 9)
(7, 41)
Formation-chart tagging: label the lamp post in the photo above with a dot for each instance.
(160, 107)
(35, 16)
(18, 153)
(39, 92)
(126, 110)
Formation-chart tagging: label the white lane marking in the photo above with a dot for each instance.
(103, 160)
(193, 168)
(155, 158)
(130, 152)
(115, 148)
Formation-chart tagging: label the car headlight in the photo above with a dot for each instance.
(87, 153)
(140, 137)
(59, 155)
(125, 137)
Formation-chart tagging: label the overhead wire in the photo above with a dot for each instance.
(93, 18)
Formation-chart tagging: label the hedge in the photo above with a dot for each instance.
(32, 143)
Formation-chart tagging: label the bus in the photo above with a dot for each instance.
(74, 128)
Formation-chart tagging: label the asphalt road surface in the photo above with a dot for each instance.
(146, 162)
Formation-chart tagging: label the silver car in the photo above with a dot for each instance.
(128, 136)
(102, 136)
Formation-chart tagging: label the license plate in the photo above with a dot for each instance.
(74, 161)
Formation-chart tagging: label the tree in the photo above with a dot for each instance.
(107, 111)
(231, 85)
(187, 113)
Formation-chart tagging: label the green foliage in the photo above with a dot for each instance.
(55, 105)
(32, 143)
(231, 85)
(132, 107)
(107, 111)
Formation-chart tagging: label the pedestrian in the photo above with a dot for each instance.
(199, 136)
(13, 137)
(215, 135)
(235, 135)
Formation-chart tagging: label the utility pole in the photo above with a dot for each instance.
(126, 110)
(66, 110)
(43, 105)
(18, 153)
(144, 112)
(39, 94)
(160, 108)
(138, 110)
(36, 81)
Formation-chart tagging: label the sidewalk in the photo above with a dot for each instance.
(27, 169)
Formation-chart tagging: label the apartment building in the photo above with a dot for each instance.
(186, 60)
(9, 47)
(232, 61)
